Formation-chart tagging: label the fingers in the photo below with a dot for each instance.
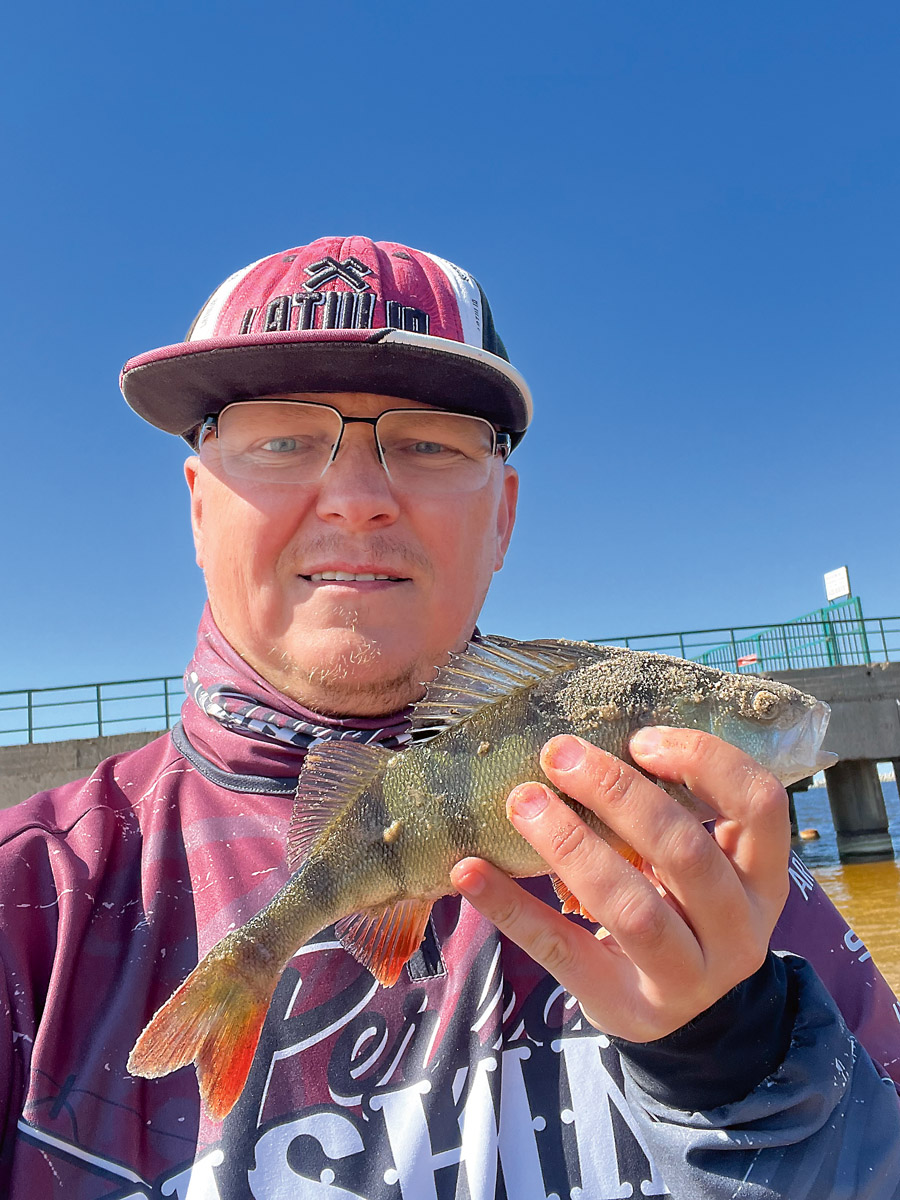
(623, 899)
(595, 972)
(668, 957)
(754, 831)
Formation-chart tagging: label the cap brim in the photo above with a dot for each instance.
(175, 387)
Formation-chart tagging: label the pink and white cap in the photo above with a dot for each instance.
(338, 315)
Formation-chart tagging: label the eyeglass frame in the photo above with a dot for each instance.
(501, 441)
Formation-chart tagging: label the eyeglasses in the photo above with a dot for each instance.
(296, 441)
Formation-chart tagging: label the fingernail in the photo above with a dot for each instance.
(563, 753)
(528, 800)
(648, 741)
(468, 881)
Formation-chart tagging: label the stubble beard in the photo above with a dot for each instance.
(349, 684)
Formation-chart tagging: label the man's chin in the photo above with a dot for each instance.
(356, 679)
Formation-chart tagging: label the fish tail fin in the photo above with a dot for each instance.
(213, 1020)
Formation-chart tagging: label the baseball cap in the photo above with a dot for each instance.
(342, 314)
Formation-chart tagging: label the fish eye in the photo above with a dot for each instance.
(765, 704)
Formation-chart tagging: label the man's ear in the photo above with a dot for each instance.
(192, 475)
(506, 513)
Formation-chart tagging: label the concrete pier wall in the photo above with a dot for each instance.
(25, 770)
(865, 707)
(864, 730)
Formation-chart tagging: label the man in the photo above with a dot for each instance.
(351, 408)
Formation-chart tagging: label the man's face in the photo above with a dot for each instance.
(348, 647)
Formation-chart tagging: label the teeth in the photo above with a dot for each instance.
(347, 577)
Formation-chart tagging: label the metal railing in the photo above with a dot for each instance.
(838, 635)
(85, 710)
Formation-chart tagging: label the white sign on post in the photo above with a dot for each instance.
(837, 584)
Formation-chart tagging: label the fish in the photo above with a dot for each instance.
(375, 832)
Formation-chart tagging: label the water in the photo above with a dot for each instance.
(868, 894)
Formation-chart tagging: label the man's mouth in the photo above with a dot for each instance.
(352, 577)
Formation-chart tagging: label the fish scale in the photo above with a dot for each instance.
(376, 832)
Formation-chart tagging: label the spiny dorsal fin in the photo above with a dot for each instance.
(333, 775)
(385, 939)
(488, 671)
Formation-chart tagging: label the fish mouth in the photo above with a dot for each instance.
(799, 749)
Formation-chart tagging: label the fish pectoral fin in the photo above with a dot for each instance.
(701, 810)
(569, 901)
(333, 775)
(385, 939)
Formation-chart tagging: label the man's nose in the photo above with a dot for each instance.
(355, 489)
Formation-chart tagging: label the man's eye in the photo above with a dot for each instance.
(280, 445)
(430, 448)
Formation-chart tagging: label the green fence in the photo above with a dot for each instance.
(838, 635)
(86, 710)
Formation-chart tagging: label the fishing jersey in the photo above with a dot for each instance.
(475, 1076)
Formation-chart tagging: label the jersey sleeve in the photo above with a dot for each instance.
(825, 1122)
(811, 926)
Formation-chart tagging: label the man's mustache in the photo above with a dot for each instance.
(373, 547)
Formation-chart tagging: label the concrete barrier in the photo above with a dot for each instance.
(25, 770)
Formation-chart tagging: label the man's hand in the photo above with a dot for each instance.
(666, 957)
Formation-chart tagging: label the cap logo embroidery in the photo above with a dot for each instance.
(312, 308)
(351, 271)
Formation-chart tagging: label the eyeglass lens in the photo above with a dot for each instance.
(424, 450)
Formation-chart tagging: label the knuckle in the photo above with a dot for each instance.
(616, 781)
(568, 842)
(507, 913)
(691, 853)
(695, 747)
(641, 920)
(768, 797)
(555, 953)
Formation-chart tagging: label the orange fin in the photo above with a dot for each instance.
(385, 939)
(631, 855)
(333, 775)
(214, 1020)
(568, 899)
(621, 846)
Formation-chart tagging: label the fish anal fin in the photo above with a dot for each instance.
(213, 1020)
(334, 774)
(385, 939)
(569, 901)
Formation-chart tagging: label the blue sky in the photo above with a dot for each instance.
(685, 216)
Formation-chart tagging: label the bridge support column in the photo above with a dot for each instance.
(857, 806)
(795, 827)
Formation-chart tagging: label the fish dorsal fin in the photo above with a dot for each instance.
(385, 939)
(334, 774)
(487, 671)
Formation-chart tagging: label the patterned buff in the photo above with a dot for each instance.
(231, 693)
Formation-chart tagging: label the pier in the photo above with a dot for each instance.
(864, 730)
